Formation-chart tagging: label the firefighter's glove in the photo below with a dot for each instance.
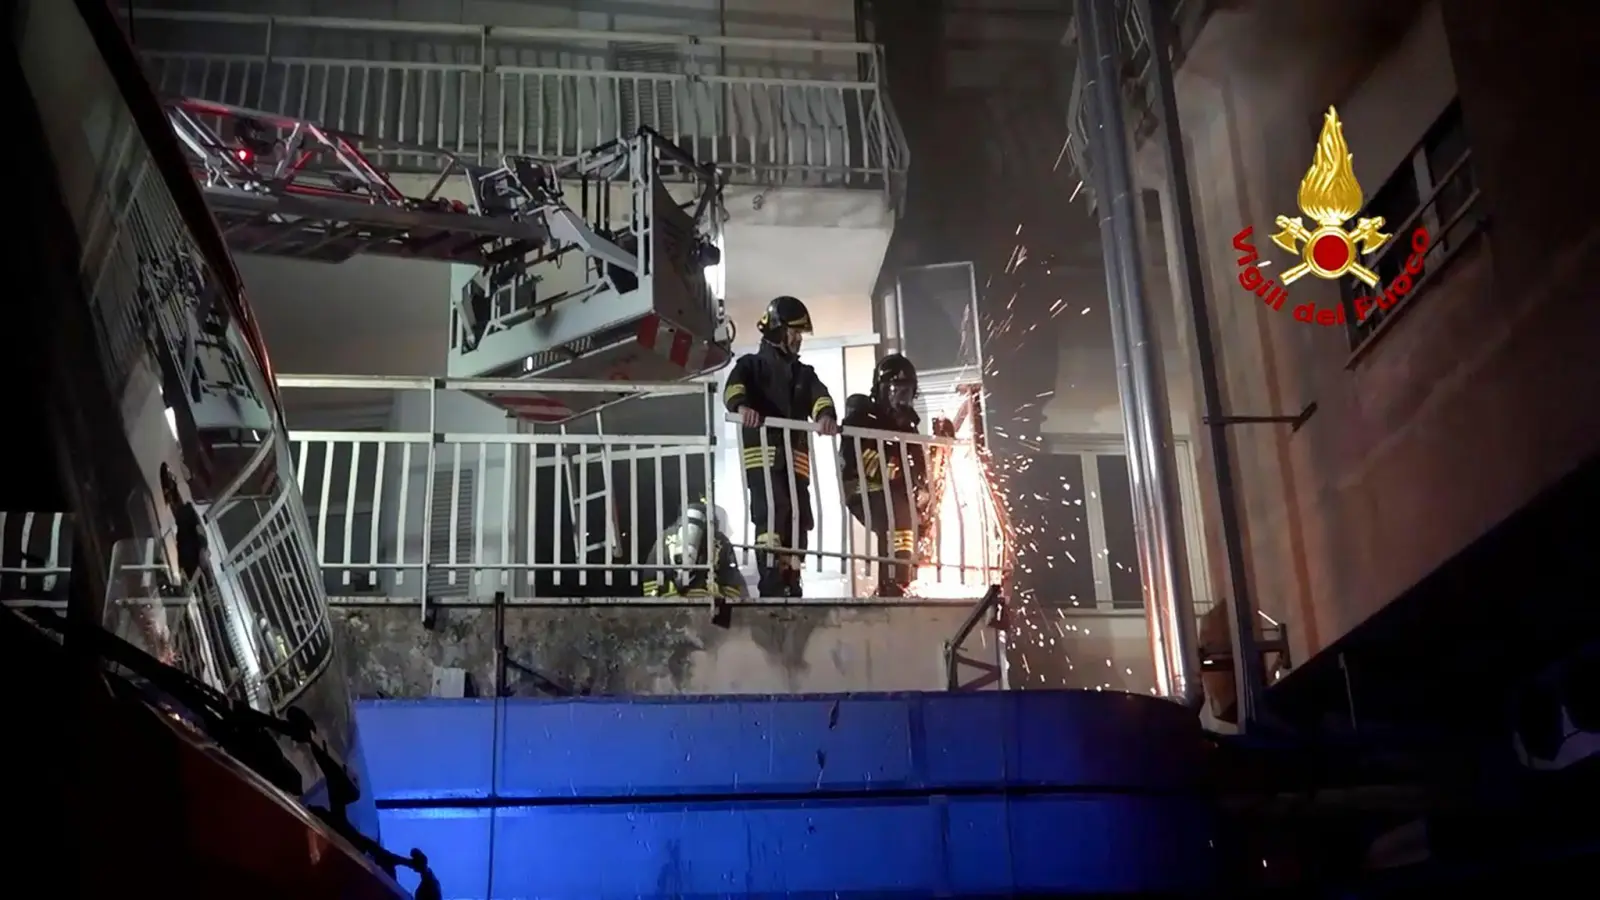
(749, 418)
(828, 425)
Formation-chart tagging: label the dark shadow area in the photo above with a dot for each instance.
(1457, 647)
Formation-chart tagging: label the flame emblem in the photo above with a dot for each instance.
(1329, 196)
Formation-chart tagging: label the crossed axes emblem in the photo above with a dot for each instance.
(1297, 239)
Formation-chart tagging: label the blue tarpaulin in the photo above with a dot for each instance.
(825, 796)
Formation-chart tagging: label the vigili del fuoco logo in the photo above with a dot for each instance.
(1330, 197)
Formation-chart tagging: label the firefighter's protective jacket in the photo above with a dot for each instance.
(663, 578)
(776, 385)
(879, 461)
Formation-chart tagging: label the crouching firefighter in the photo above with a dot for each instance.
(694, 558)
(774, 383)
(886, 481)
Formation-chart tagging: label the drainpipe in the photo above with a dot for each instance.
(1141, 386)
(1249, 680)
(890, 319)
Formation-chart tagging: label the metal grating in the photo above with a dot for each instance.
(647, 102)
(452, 530)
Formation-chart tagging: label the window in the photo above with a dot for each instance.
(1121, 545)
(1434, 189)
(1050, 517)
(1075, 526)
(939, 316)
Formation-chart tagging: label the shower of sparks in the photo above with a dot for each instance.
(997, 523)
(968, 548)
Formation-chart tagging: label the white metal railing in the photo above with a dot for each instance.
(208, 479)
(456, 502)
(35, 558)
(419, 512)
(260, 632)
(766, 111)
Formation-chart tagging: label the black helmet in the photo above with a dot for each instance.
(894, 381)
(784, 314)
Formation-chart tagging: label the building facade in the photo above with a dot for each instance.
(1446, 410)
(457, 539)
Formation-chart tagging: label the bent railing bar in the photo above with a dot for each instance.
(952, 647)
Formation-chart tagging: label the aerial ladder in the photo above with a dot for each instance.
(614, 290)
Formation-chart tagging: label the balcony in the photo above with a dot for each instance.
(571, 514)
(1187, 17)
(768, 112)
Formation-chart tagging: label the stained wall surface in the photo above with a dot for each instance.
(599, 651)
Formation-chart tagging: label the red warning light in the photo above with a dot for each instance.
(244, 155)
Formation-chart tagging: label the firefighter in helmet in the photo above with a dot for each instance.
(884, 480)
(694, 558)
(774, 383)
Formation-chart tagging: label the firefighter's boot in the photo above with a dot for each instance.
(770, 569)
(901, 572)
(791, 578)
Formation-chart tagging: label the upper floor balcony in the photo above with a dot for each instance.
(1185, 19)
(768, 112)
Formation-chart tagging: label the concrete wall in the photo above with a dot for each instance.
(648, 651)
(1448, 422)
(823, 246)
(1084, 399)
(1054, 647)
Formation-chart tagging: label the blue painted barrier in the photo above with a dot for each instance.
(880, 794)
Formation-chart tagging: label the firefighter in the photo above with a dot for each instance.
(698, 538)
(774, 383)
(189, 535)
(886, 481)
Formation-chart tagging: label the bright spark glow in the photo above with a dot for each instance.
(717, 275)
(968, 547)
(1034, 524)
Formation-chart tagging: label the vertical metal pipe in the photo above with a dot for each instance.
(428, 488)
(889, 318)
(485, 69)
(1140, 379)
(1249, 678)
(1115, 292)
(1137, 466)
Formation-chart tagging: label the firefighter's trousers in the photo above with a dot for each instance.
(896, 533)
(698, 589)
(780, 508)
(695, 589)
